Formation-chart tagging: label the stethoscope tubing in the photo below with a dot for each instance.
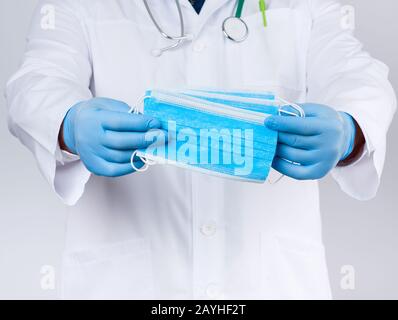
(160, 29)
(179, 40)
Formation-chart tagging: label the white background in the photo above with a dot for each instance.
(362, 234)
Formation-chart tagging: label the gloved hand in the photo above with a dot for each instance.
(105, 135)
(309, 148)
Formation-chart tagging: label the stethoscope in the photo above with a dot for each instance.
(233, 28)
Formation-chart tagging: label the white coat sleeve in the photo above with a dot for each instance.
(343, 76)
(54, 76)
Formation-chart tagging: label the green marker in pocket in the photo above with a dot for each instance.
(263, 9)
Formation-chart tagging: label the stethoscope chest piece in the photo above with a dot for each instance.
(235, 29)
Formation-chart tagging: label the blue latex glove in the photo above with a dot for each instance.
(309, 148)
(105, 135)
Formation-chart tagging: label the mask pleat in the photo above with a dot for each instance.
(211, 140)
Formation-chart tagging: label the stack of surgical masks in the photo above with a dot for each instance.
(218, 133)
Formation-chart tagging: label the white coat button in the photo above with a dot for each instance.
(213, 291)
(209, 229)
(199, 46)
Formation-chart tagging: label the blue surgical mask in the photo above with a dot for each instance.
(218, 133)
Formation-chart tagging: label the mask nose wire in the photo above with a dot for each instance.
(147, 162)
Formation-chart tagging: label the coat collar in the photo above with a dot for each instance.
(210, 7)
(210, 4)
(193, 22)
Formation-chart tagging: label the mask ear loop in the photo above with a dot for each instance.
(295, 106)
(300, 113)
(140, 102)
(147, 162)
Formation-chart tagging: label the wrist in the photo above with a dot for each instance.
(68, 134)
(350, 129)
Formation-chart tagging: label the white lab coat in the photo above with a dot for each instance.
(173, 233)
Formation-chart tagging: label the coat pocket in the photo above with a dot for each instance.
(114, 271)
(274, 58)
(294, 268)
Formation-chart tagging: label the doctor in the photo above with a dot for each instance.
(172, 233)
